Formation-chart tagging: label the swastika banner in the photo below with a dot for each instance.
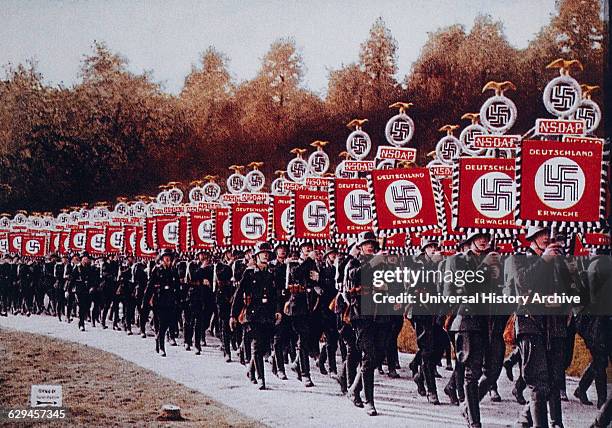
(114, 239)
(404, 200)
(281, 218)
(310, 215)
(76, 239)
(201, 230)
(248, 224)
(166, 232)
(484, 194)
(561, 184)
(95, 241)
(129, 240)
(222, 227)
(351, 207)
(141, 248)
(33, 245)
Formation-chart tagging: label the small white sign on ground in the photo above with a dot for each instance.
(46, 396)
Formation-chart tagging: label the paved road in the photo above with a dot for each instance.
(288, 403)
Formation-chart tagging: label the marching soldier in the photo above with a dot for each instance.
(595, 326)
(540, 330)
(255, 304)
(5, 286)
(327, 292)
(58, 284)
(83, 278)
(370, 328)
(163, 287)
(125, 295)
(431, 339)
(224, 291)
(194, 309)
(109, 295)
(25, 273)
(469, 325)
(49, 283)
(280, 268)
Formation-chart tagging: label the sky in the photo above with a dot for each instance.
(167, 37)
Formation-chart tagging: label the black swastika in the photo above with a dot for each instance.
(562, 97)
(361, 206)
(405, 199)
(359, 144)
(587, 114)
(317, 216)
(254, 226)
(498, 114)
(400, 129)
(318, 163)
(559, 179)
(496, 194)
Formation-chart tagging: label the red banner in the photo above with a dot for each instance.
(351, 206)
(249, 224)
(14, 242)
(166, 232)
(113, 236)
(77, 239)
(561, 182)
(484, 196)
(281, 217)
(64, 242)
(33, 245)
(404, 199)
(4, 242)
(311, 215)
(129, 240)
(95, 242)
(201, 230)
(142, 249)
(222, 227)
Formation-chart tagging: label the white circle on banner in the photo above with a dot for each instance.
(285, 219)
(32, 246)
(448, 149)
(255, 180)
(78, 241)
(116, 239)
(560, 183)
(253, 226)
(318, 162)
(562, 96)
(175, 196)
(226, 227)
(498, 114)
(196, 195)
(358, 207)
(297, 169)
(17, 241)
(589, 111)
(358, 144)
(206, 231)
(404, 199)
(315, 216)
(386, 164)
(277, 187)
(133, 240)
(399, 130)
(97, 242)
(493, 194)
(212, 192)
(170, 232)
(236, 183)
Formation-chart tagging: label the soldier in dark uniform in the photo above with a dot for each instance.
(13, 292)
(49, 281)
(194, 308)
(58, 285)
(25, 273)
(280, 267)
(224, 290)
(126, 294)
(109, 297)
(300, 285)
(595, 326)
(471, 329)
(84, 277)
(255, 303)
(38, 285)
(371, 329)
(70, 290)
(5, 275)
(396, 320)
(209, 280)
(144, 308)
(431, 338)
(327, 292)
(541, 337)
(164, 287)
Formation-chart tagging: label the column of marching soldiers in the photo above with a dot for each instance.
(286, 305)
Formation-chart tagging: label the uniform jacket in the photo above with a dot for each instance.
(255, 297)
